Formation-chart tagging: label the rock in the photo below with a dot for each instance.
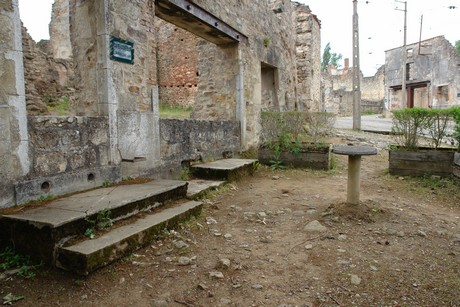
(210, 221)
(422, 234)
(457, 238)
(298, 213)
(340, 250)
(225, 301)
(216, 274)
(355, 280)
(224, 263)
(257, 287)
(227, 236)
(184, 261)
(374, 268)
(312, 211)
(261, 215)
(315, 226)
(202, 286)
(309, 246)
(342, 237)
(400, 234)
(180, 244)
(160, 303)
(276, 177)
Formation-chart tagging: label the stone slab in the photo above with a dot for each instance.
(198, 187)
(79, 206)
(354, 150)
(86, 256)
(226, 164)
(226, 169)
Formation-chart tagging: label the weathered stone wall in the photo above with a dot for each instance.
(59, 29)
(338, 91)
(49, 81)
(308, 51)
(14, 146)
(194, 140)
(67, 144)
(177, 58)
(436, 66)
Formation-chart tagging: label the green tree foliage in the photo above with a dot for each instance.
(457, 46)
(330, 58)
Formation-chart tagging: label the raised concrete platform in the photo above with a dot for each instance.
(87, 256)
(227, 169)
(40, 231)
(198, 187)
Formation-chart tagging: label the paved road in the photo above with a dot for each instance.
(368, 123)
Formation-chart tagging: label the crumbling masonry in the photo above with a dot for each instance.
(229, 59)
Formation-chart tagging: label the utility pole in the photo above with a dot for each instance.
(404, 57)
(356, 71)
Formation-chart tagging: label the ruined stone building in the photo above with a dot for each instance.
(82, 108)
(337, 91)
(432, 75)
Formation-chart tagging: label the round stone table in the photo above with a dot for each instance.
(354, 154)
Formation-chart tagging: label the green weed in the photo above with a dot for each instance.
(174, 111)
(10, 260)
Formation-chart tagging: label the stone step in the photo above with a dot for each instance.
(199, 187)
(89, 255)
(40, 231)
(226, 169)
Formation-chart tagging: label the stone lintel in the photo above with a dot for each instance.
(195, 19)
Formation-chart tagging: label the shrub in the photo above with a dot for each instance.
(456, 116)
(408, 125)
(438, 122)
(320, 124)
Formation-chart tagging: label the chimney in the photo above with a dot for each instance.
(346, 64)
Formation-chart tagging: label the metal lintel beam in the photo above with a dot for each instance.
(195, 19)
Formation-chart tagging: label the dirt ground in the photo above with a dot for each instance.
(251, 247)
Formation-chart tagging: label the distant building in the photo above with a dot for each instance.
(432, 75)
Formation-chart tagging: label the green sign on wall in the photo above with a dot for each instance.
(121, 50)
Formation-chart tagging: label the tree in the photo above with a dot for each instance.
(330, 58)
(457, 46)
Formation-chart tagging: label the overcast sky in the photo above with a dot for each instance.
(380, 25)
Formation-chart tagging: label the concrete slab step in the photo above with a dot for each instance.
(199, 187)
(226, 169)
(39, 231)
(89, 255)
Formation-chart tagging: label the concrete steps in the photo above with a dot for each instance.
(86, 256)
(55, 233)
(227, 169)
(40, 231)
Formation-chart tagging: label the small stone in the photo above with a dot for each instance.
(355, 280)
(276, 177)
(374, 268)
(342, 237)
(400, 234)
(84, 297)
(258, 287)
(261, 215)
(309, 246)
(202, 286)
(210, 221)
(422, 234)
(160, 303)
(216, 274)
(224, 263)
(298, 213)
(180, 244)
(315, 226)
(227, 236)
(225, 301)
(340, 250)
(184, 261)
(312, 211)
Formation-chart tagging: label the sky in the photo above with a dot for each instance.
(380, 24)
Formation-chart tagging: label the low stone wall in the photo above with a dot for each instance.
(183, 141)
(68, 154)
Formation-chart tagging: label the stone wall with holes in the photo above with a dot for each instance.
(68, 154)
(183, 141)
(177, 59)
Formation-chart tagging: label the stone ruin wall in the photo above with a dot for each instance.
(177, 58)
(337, 91)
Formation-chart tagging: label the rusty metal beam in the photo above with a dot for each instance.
(200, 22)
